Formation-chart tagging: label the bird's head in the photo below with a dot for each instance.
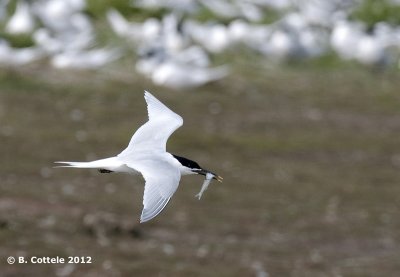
(194, 167)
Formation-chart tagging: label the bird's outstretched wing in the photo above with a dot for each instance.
(153, 135)
(162, 180)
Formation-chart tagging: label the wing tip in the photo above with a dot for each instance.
(147, 94)
(148, 215)
(150, 98)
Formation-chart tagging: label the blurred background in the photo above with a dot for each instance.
(295, 103)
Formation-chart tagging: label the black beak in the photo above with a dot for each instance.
(205, 172)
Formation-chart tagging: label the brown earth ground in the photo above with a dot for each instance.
(310, 160)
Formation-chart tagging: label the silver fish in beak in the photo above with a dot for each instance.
(209, 176)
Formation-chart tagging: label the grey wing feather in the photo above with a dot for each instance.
(162, 180)
(154, 209)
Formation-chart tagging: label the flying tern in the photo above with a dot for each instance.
(146, 154)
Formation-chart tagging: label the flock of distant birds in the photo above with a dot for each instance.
(176, 50)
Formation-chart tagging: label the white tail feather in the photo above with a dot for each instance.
(112, 164)
(76, 164)
(109, 163)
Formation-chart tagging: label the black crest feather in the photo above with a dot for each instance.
(186, 162)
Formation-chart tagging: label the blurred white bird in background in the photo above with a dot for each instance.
(60, 15)
(180, 76)
(59, 29)
(22, 21)
(55, 43)
(213, 37)
(138, 33)
(181, 6)
(345, 36)
(192, 33)
(85, 59)
(18, 56)
(374, 48)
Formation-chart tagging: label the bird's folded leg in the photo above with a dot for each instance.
(102, 170)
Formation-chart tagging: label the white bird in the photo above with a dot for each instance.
(213, 37)
(22, 21)
(87, 59)
(345, 37)
(177, 75)
(123, 27)
(18, 56)
(146, 154)
(181, 6)
(138, 33)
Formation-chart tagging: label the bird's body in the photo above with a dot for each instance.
(146, 154)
